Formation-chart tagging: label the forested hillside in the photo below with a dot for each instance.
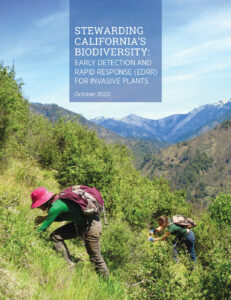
(141, 149)
(201, 166)
(35, 152)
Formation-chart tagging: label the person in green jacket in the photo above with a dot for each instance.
(182, 235)
(90, 228)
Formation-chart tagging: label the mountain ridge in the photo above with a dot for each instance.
(173, 128)
(140, 148)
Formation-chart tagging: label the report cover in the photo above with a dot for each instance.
(115, 149)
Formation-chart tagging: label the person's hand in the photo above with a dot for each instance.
(39, 219)
(158, 229)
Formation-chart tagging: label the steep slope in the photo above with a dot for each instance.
(173, 128)
(29, 267)
(35, 152)
(202, 165)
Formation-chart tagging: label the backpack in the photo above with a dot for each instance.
(89, 199)
(183, 221)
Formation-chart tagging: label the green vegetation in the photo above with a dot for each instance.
(36, 153)
(198, 163)
(220, 209)
(143, 150)
(201, 166)
(13, 112)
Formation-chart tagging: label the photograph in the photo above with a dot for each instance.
(115, 150)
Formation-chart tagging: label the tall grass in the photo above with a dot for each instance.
(29, 267)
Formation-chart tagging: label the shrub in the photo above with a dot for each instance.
(13, 112)
(220, 209)
(119, 245)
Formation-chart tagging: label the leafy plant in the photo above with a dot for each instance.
(220, 209)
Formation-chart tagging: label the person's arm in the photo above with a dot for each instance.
(155, 230)
(56, 209)
(163, 238)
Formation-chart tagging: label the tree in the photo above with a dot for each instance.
(220, 209)
(13, 110)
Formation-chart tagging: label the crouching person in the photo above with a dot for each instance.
(66, 206)
(181, 232)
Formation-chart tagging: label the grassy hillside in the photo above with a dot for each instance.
(202, 165)
(29, 267)
(35, 152)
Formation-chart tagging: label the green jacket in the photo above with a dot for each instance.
(176, 230)
(64, 210)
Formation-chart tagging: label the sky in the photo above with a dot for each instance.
(196, 54)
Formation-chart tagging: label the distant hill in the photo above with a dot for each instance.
(142, 150)
(54, 112)
(172, 129)
(202, 165)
